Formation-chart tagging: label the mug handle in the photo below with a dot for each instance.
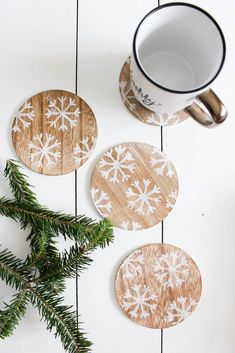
(216, 114)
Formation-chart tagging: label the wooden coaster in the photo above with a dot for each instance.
(158, 286)
(134, 185)
(138, 110)
(54, 132)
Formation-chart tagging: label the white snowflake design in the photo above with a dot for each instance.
(162, 119)
(24, 117)
(132, 265)
(172, 269)
(143, 198)
(102, 201)
(171, 199)
(44, 147)
(128, 225)
(180, 309)
(116, 165)
(60, 112)
(140, 302)
(161, 163)
(127, 95)
(83, 150)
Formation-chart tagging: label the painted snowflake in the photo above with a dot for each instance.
(128, 225)
(44, 147)
(62, 112)
(171, 199)
(117, 164)
(127, 95)
(144, 197)
(23, 118)
(83, 150)
(101, 201)
(162, 119)
(172, 269)
(140, 302)
(132, 266)
(161, 163)
(180, 309)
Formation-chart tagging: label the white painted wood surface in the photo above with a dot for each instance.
(37, 43)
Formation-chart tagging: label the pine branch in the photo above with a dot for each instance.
(44, 251)
(101, 237)
(19, 185)
(41, 277)
(12, 271)
(60, 318)
(44, 257)
(12, 314)
(78, 228)
(69, 264)
(76, 260)
(53, 285)
(57, 316)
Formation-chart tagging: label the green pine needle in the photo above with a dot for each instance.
(19, 185)
(78, 228)
(12, 271)
(12, 314)
(68, 265)
(44, 252)
(60, 318)
(40, 279)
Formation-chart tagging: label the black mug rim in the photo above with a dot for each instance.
(154, 82)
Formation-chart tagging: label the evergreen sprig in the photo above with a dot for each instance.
(18, 183)
(40, 278)
(13, 313)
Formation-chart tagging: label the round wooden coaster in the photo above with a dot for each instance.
(138, 110)
(158, 286)
(134, 185)
(54, 132)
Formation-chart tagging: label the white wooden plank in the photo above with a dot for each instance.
(105, 35)
(203, 221)
(37, 44)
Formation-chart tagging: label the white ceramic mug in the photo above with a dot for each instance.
(178, 51)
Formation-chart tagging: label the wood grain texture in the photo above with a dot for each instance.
(134, 185)
(138, 110)
(158, 286)
(54, 132)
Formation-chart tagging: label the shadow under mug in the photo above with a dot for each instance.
(178, 51)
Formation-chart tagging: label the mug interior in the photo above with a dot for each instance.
(179, 47)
